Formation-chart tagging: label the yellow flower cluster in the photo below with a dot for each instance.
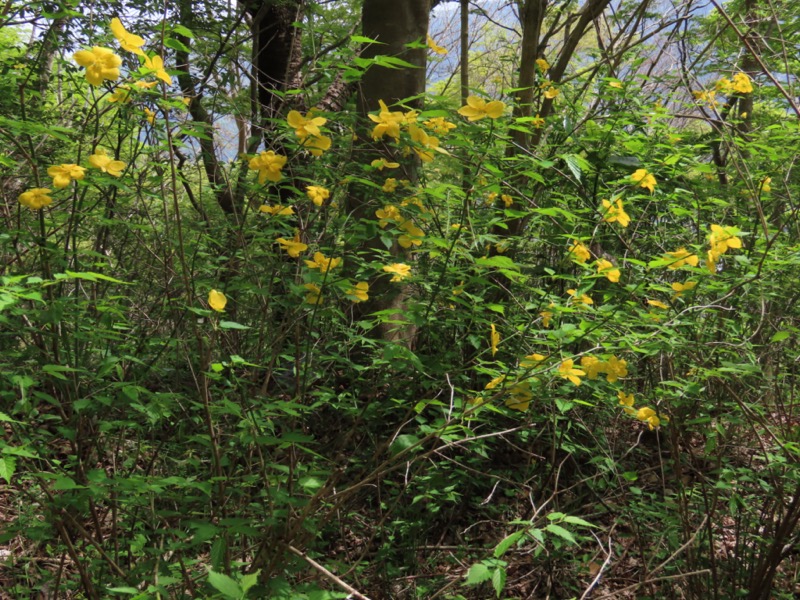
(477, 109)
(269, 165)
(411, 236)
(645, 414)
(721, 240)
(614, 368)
(615, 213)
(645, 179)
(307, 129)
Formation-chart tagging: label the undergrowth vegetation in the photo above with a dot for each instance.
(407, 362)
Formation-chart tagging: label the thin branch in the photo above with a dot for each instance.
(342, 584)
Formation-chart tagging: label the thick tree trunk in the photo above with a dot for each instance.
(393, 24)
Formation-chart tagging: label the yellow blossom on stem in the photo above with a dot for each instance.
(436, 47)
(615, 213)
(536, 122)
(323, 264)
(359, 293)
(547, 316)
(427, 142)
(582, 299)
(63, 174)
(542, 64)
(382, 163)
(439, 125)
(122, 95)
(681, 257)
(390, 185)
(150, 115)
(550, 91)
(644, 179)
(317, 194)
(742, 84)
(605, 267)
(293, 247)
(156, 63)
(532, 360)
(495, 382)
(649, 416)
(316, 144)
(765, 185)
(616, 368)
(127, 41)
(683, 287)
(106, 164)
(314, 295)
(567, 371)
(100, 63)
(388, 122)
(579, 252)
(657, 304)
(399, 271)
(519, 396)
(626, 401)
(722, 239)
(217, 300)
(305, 126)
(592, 366)
(494, 339)
(387, 214)
(412, 235)
(269, 165)
(36, 198)
(277, 210)
(477, 109)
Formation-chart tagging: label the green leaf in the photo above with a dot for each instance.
(478, 573)
(181, 30)
(249, 581)
(7, 467)
(225, 585)
(4, 418)
(232, 325)
(561, 532)
(780, 336)
(499, 580)
(176, 44)
(501, 262)
(361, 39)
(578, 521)
(507, 542)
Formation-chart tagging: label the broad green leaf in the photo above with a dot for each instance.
(232, 325)
(7, 467)
(499, 580)
(561, 532)
(225, 585)
(507, 542)
(478, 573)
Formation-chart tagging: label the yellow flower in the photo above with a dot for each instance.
(305, 126)
(723, 238)
(390, 185)
(36, 198)
(63, 174)
(711, 261)
(644, 179)
(742, 84)
(536, 122)
(567, 371)
(615, 84)
(616, 368)
(592, 366)
(217, 300)
(507, 200)
(703, 96)
(412, 234)
(100, 63)
(145, 85)
(683, 287)
(605, 267)
(477, 108)
(317, 194)
(579, 252)
(615, 213)
(278, 210)
(435, 47)
(150, 115)
(388, 122)
(428, 142)
(122, 94)
(269, 165)
(583, 298)
(765, 185)
(542, 64)
(323, 264)
(387, 214)
(681, 257)
(550, 91)
(519, 396)
(657, 304)
(494, 340)
(532, 360)
(316, 145)
(127, 41)
(547, 316)
(293, 247)
(382, 163)
(314, 295)
(106, 164)
(495, 382)
(399, 271)
(439, 125)
(649, 416)
(359, 292)
(157, 64)
(626, 401)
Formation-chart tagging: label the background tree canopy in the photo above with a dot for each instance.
(380, 299)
